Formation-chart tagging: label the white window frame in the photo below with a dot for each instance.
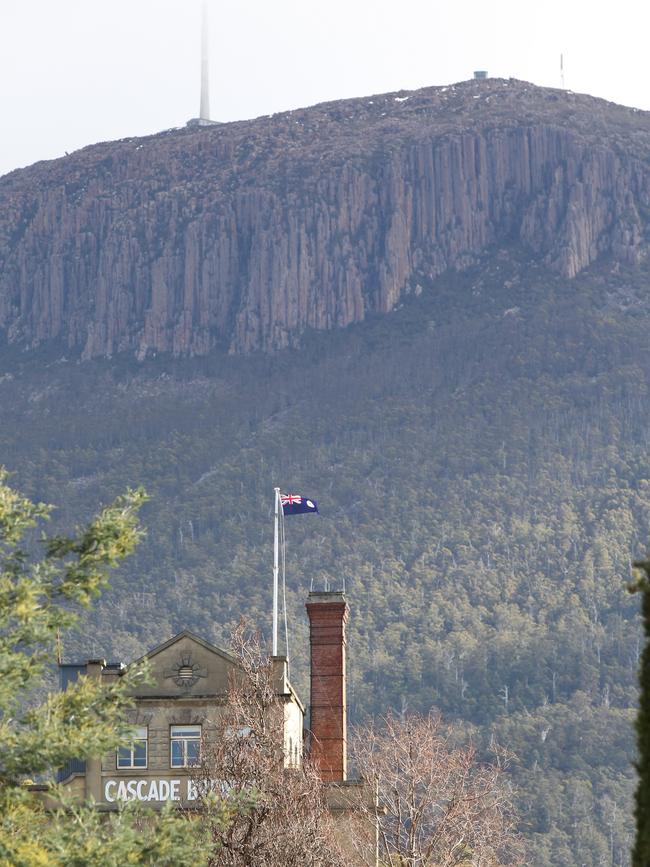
(173, 738)
(139, 736)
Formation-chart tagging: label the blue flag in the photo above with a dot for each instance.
(294, 504)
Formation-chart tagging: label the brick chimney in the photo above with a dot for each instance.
(328, 614)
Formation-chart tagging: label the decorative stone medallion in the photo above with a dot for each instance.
(185, 673)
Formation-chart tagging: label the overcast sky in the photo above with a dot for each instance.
(74, 72)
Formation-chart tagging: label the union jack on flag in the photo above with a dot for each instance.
(294, 504)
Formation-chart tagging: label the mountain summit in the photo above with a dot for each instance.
(243, 235)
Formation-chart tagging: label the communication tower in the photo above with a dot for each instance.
(204, 110)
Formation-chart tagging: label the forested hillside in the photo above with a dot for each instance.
(480, 458)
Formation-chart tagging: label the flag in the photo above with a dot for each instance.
(294, 504)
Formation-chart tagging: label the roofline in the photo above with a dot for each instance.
(296, 697)
(186, 633)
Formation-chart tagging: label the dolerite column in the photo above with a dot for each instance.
(328, 614)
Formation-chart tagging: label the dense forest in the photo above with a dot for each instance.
(480, 460)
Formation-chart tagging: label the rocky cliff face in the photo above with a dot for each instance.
(246, 234)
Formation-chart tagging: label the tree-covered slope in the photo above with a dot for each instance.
(480, 458)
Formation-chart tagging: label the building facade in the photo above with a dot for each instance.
(188, 689)
(190, 680)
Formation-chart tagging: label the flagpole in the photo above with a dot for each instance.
(276, 551)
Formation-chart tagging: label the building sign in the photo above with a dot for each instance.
(154, 789)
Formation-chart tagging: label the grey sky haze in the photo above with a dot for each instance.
(74, 72)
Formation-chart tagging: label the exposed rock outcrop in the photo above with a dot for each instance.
(243, 235)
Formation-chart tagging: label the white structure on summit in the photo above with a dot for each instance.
(204, 112)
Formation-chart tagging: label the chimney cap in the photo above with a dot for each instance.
(326, 596)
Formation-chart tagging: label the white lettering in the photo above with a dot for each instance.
(191, 790)
(147, 790)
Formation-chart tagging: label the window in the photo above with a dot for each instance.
(135, 755)
(185, 746)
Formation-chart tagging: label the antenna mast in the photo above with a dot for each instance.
(562, 70)
(204, 113)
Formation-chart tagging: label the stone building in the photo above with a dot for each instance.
(189, 683)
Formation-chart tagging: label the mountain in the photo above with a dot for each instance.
(477, 441)
(244, 235)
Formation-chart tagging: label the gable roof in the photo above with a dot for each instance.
(228, 657)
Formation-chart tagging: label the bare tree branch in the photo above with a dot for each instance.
(438, 806)
(276, 804)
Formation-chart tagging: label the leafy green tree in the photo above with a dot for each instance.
(39, 732)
